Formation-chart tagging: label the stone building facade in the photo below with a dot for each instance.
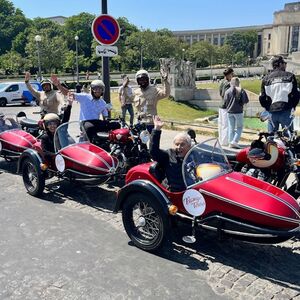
(281, 37)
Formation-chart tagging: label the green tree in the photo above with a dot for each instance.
(52, 51)
(80, 25)
(12, 22)
(242, 41)
(12, 62)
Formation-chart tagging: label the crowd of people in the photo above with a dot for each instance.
(279, 97)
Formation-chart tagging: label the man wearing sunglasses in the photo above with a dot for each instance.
(279, 95)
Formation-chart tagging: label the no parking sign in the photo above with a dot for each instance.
(106, 30)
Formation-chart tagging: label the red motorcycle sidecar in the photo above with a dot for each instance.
(75, 159)
(13, 140)
(216, 198)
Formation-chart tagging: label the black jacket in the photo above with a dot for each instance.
(47, 139)
(169, 161)
(279, 91)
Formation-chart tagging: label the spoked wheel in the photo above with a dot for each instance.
(33, 180)
(145, 222)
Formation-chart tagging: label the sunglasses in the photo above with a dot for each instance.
(52, 123)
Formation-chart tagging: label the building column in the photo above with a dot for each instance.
(298, 48)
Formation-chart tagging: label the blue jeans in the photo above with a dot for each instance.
(130, 110)
(235, 127)
(282, 118)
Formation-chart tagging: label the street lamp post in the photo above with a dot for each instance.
(211, 76)
(38, 39)
(248, 66)
(183, 51)
(141, 61)
(76, 45)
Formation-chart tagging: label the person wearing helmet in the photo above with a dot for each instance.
(48, 99)
(92, 106)
(146, 96)
(50, 123)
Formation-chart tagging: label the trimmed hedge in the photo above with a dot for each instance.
(72, 84)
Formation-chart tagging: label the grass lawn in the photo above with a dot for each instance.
(181, 112)
(255, 123)
(248, 84)
(168, 110)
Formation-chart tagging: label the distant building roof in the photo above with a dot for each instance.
(58, 19)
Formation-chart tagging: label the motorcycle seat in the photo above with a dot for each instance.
(29, 123)
(157, 171)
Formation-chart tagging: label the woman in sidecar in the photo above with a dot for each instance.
(74, 158)
(216, 198)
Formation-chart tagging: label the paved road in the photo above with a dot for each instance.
(69, 245)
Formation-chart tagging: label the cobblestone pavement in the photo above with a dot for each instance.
(234, 269)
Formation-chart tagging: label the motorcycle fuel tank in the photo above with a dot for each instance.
(119, 135)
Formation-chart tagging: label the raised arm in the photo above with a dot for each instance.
(157, 154)
(165, 92)
(33, 91)
(57, 83)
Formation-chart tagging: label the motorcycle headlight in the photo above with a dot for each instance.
(144, 136)
(60, 163)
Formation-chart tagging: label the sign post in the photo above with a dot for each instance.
(106, 32)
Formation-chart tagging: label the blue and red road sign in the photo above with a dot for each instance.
(106, 30)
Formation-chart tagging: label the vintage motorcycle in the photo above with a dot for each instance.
(216, 198)
(75, 159)
(127, 143)
(272, 158)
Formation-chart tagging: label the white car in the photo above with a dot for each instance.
(16, 92)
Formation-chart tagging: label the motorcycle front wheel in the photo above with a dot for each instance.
(145, 222)
(34, 181)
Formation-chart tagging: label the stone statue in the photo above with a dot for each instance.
(183, 73)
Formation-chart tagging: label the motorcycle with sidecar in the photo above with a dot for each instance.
(75, 159)
(13, 140)
(216, 198)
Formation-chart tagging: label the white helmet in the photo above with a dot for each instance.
(98, 83)
(50, 117)
(141, 73)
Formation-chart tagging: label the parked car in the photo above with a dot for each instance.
(16, 92)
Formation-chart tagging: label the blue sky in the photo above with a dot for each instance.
(170, 14)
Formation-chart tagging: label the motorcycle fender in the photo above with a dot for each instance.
(145, 187)
(33, 155)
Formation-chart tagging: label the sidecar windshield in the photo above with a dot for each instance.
(203, 162)
(8, 122)
(69, 133)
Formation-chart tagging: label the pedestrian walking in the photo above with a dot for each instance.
(234, 100)
(223, 117)
(126, 99)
